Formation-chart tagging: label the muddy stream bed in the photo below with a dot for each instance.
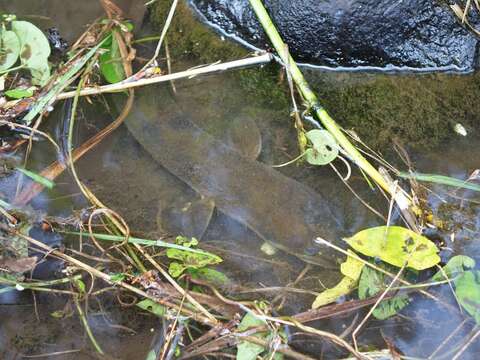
(418, 111)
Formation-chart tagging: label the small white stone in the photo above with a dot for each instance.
(459, 129)
(19, 287)
(268, 249)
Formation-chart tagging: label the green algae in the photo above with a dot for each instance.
(192, 40)
(419, 110)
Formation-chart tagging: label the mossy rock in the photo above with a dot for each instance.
(420, 110)
(190, 39)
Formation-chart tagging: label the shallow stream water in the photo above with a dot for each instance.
(418, 111)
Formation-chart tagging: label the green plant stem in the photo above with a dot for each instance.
(86, 326)
(311, 99)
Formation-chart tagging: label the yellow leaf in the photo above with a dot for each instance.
(351, 268)
(396, 245)
(345, 286)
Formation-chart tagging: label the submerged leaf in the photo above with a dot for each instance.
(456, 265)
(324, 147)
(9, 49)
(396, 245)
(37, 178)
(467, 289)
(249, 351)
(190, 260)
(373, 282)
(212, 276)
(153, 307)
(351, 268)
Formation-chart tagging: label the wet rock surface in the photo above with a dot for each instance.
(419, 34)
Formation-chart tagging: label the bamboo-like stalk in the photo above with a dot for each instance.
(313, 103)
(208, 69)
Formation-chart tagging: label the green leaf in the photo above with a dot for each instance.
(152, 355)
(34, 50)
(324, 147)
(118, 277)
(80, 285)
(9, 49)
(211, 276)
(185, 241)
(19, 93)
(440, 179)
(247, 350)
(193, 260)
(37, 178)
(250, 321)
(351, 268)
(396, 245)
(111, 65)
(373, 282)
(456, 265)
(153, 307)
(467, 289)
(175, 269)
(61, 83)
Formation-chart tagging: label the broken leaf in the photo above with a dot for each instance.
(373, 282)
(324, 147)
(351, 268)
(396, 245)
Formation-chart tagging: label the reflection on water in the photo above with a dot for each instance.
(124, 173)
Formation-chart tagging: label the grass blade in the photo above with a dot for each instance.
(134, 240)
(440, 179)
(37, 178)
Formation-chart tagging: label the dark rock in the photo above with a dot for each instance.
(418, 34)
